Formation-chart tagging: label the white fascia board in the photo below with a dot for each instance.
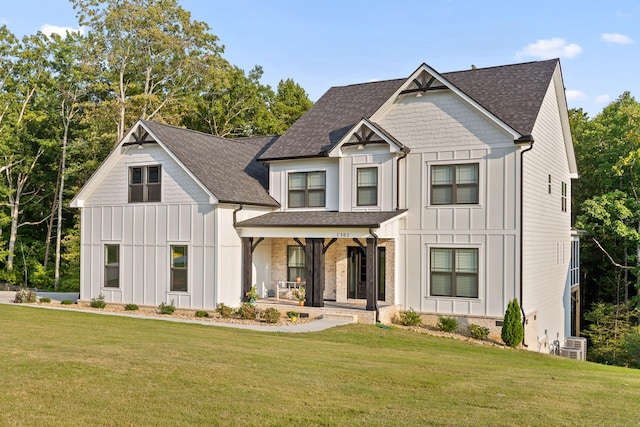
(96, 177)
(310, 232)
(336, 151)
(454, 89)
(564, 120)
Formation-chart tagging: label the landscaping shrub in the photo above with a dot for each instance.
(66, 302)
(45, 299)
(270, 315)
(24, 295)
(512, 328)
(478, 332)
(167, 308)
(201, 313)
(131, 307)
(247, 311)
(224, 310)
(447, 324)
(98, 302)
(409, 318)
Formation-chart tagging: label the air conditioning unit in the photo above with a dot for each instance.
(571, 353)
(579, 343)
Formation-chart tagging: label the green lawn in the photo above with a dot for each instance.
(68, 368)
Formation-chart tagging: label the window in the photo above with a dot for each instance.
(307, 189)
(179, 268)
(549, 189)
(367, 187)
(144, 184)
(563, 198)
(111, 266)
(454, 272)
(296, 264)
(454, 184)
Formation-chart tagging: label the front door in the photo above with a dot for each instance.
(357, 273)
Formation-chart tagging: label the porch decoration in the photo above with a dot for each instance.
(299, 294)
(252, 295)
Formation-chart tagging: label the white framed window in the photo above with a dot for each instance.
(306, 189)
(145, 184)
(454, 272)
(296, 263)
(179, 270)
(367, 186)
(111, 266)
(455, 184)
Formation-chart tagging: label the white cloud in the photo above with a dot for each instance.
(575, 95)
(616, 38)
(603, 99)
(62, 31)
(551, 48)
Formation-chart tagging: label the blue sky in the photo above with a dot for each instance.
(331, 43)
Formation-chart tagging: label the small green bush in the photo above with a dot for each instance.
(270, 315)
(247, 311)
(131, 307)
(224, 310)
(201, 313)
(291, 314)
(66, 302)
(45, 299)
(24, 295)
(167, 308)
(478, 332)
(447, 324)
(512, 328)
(409, 318)
(98, 302)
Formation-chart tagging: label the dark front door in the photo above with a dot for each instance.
(357, 273)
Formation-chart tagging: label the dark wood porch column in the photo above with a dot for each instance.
(372, 274)
(314, 258)
(247, 261)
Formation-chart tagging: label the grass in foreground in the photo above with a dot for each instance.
(68, 368)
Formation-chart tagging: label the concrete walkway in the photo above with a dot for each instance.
(6, 297)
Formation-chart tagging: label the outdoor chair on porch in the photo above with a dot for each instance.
(287, 287)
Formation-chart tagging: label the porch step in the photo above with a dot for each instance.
(351, 318)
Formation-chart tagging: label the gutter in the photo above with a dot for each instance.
(405, 152)
(523, 139)
(235, 211)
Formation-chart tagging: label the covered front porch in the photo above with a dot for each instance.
(344, 258)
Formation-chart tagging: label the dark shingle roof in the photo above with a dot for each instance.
(513, 93)
(228, 168)
(321, 219)
(330, 118)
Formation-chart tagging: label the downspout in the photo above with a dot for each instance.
(526, 139)
(375, 274)
(235, 211)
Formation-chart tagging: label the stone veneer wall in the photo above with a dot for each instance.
(335, 266)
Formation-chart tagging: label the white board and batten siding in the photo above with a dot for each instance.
(440, 128)
(145, 233)
(547, 229)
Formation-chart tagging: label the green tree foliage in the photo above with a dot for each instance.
(614, 334)
(512, 327)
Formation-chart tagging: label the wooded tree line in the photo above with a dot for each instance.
(606, 202)
(66, 101)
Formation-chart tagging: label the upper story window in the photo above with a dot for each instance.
(367, 187)
(563, 197)
(454, 272)
(454, 184)
(144, 184)
(307, 189)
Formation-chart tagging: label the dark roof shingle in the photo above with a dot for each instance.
(227, 167)
(513, 93)
(321, 219)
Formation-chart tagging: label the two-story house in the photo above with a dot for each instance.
(446, 193)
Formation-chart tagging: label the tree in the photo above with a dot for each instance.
(150, 54)
(512, 327)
